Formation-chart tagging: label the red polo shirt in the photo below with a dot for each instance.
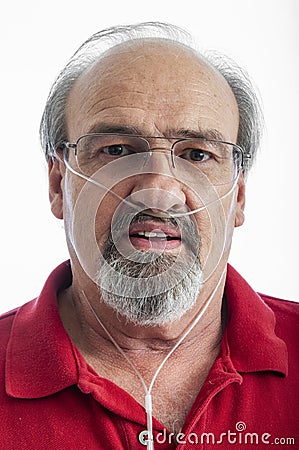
(50, 399)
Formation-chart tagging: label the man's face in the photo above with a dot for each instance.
(152, 89)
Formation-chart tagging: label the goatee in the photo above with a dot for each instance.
(149, 288)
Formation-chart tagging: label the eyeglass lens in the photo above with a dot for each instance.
(219, 162)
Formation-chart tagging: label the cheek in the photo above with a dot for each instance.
(106, 206)
(203, 222)
(69, 201)
(215, 225)
(205, 233)
(103, 218)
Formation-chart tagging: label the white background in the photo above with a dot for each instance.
(37, 38)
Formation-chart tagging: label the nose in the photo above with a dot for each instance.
(156, 188)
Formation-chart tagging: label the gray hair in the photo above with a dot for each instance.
(53, 126)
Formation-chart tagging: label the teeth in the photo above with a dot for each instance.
(151, 234)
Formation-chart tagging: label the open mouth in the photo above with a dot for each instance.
(151, 235)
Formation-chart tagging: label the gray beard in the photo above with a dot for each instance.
(149, 289)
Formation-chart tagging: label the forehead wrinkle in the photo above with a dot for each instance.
(148, 100)
(94, 105)
(117, 111)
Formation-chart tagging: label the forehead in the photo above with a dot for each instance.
(152, 81)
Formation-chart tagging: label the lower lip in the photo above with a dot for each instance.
(154, 244)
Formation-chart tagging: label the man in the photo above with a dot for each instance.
(147, 337)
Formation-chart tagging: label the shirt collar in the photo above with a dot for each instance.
(41, 360)
(252, 341)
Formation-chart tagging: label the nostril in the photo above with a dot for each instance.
(158, 201)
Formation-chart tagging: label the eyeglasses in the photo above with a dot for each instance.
(220, 161)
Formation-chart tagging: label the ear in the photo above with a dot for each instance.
(55, 187)
(240, 206)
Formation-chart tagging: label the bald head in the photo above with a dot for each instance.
(156, 86)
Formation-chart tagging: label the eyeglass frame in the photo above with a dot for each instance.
(69, 145)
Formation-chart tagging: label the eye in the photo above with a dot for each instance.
(196, 155)
(116, 150)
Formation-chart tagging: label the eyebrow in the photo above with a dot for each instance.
(117, 129)
(209, 133)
